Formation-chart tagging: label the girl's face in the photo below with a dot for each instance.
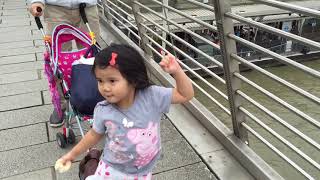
(114, 87)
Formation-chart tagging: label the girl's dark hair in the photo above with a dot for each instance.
(129, 62)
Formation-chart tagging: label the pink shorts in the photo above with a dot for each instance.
(105, 172)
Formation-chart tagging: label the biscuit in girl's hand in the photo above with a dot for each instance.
(166, 61)
(60, 167)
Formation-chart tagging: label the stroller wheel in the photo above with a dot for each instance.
(61, 140)
(72, 137)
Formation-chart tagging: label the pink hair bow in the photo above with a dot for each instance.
(113, 59)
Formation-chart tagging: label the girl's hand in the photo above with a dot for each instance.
(33, 9)
(64, 163)
(169, 64)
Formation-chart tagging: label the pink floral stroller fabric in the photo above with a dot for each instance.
(59, 63)
(55, 98)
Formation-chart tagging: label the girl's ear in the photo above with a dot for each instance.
(133, 84)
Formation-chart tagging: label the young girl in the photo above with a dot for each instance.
(130, 115)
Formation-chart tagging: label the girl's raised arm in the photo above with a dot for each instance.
(183, 91)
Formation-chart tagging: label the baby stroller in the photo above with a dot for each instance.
(73, 71)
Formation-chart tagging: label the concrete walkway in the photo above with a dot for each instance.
(28, 149)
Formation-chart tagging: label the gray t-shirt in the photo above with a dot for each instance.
(133, 135)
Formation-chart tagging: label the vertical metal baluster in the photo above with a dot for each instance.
(142, 30)
(228, 47)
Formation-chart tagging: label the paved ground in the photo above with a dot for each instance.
(28, 149)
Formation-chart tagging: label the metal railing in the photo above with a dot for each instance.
(136, 20)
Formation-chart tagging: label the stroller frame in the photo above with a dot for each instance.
(72, 116)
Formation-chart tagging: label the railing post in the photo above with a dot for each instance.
(107, 12)
(164, 22)
(139, 20)
(228, 46)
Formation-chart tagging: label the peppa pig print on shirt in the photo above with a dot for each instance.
(146, 143)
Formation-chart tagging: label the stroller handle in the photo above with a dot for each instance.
(37, 19)
(82, 6)
(39, 24)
